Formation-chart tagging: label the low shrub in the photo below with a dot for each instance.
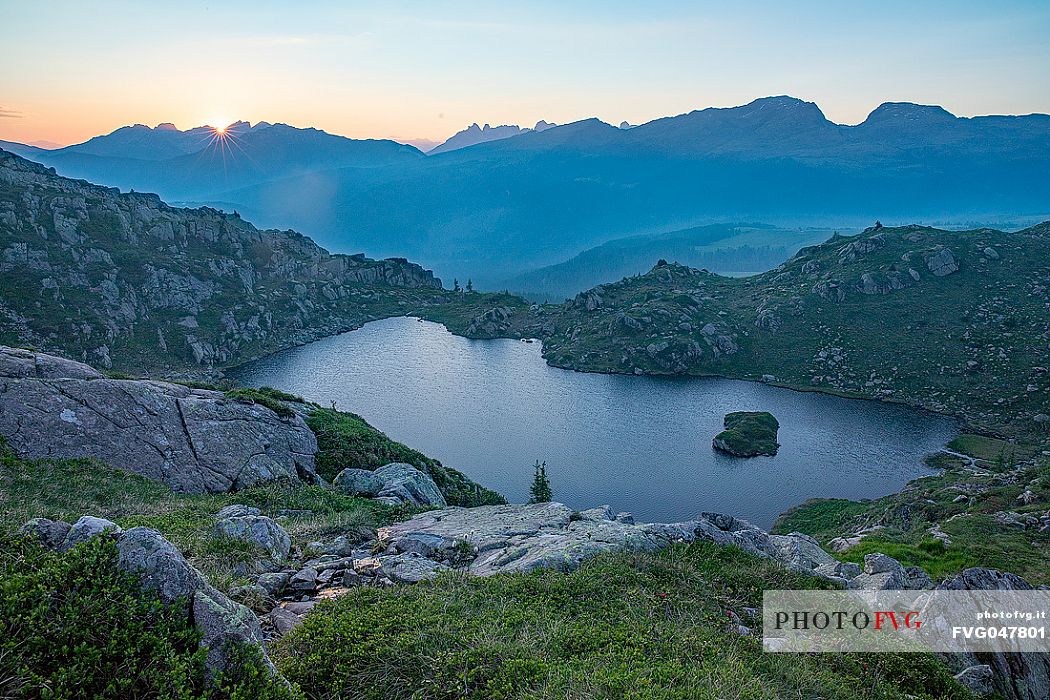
(73, 625)
(623, 626)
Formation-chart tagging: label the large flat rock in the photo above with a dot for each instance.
(194, 440)
(513, 538)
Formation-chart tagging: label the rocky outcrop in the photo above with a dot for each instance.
(515, 538)
(193, 440)
(125, 280)
(1014, 676)
(161, 569)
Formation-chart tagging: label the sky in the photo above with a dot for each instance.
(424, 70)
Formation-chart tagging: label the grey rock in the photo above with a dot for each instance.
(223, 624)
(915, 579)
(284, 620)
(409, 568)
(982, 579)
(300, 608)
(838, 569)
(515, 538)
(599, 513)
(161, 568)
(273, 582)
(802, 553)
(841, 544)
(883, 581)
(328, 577)
(16, 363)
(193, 440)
(879, 563)
(87, 527)
(341, 546)
(942, 263)
(50, 533)
(303, 581)
(352, 578)
(259, 530)
(236, 511)
(425, 544)
(1014, 676)
(625, 518)
(977, 678)
(358, 482)
(408, 484)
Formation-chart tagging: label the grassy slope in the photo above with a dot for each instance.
(973, 343)
(623, 626)
(649, 626)
(977, 538)
(347, 440)
(68, 488)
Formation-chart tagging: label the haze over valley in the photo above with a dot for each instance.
(521, 352)
(493, 210)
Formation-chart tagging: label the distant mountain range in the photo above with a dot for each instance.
(727, 249)
(475, 134)
(495, 209)
(199, 162)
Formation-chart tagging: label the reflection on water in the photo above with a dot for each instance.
(491, 408)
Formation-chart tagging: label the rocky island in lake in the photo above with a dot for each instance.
(748, 434)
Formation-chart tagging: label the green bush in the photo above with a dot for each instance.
(73, 625)
(649, 626)
(347, 440)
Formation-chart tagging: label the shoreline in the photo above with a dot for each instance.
(959, 422)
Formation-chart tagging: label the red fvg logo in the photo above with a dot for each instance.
(878, 620)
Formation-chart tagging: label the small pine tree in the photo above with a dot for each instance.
(540, 491)
(455, 285)
(470, 285)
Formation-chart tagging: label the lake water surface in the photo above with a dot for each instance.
(491, 408)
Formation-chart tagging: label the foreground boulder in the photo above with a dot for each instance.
(246, 525)
(395, 483)
(193, 440)
(223, 624)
